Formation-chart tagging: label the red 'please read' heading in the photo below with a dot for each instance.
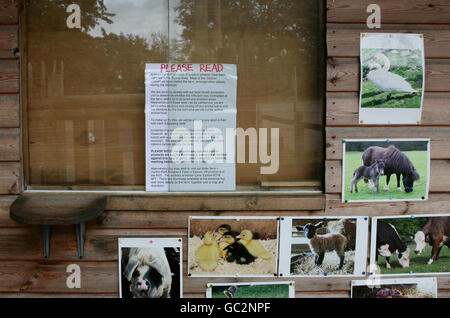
(204, 68)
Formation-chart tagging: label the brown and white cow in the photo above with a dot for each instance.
(437, 233)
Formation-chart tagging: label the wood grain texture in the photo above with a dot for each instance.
(439, 138)
(10, 144)
(102, 277)
(9, 12)
(23, 271)
(8, 42)
(25, 243)
(9, 111)
(269, 202)
(343, 40)
(5, 203)
(343, 75)
(56, 209)
(9, 177)
(439, 178)
(9, 76)
(343, 109)
(29, 277)
(398, 11)
(146, 219)
(436, 203)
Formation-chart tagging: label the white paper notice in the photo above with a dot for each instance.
(190, 121)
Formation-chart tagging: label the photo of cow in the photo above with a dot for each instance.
(327, 246)
(411, 244)
(385, 170)
(150, 267)
(395, 288)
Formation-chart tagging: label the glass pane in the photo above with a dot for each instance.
(85, 87)
(277, 46)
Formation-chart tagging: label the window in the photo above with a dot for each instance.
(84, 87)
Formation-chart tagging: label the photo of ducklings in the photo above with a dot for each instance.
(208, 254)
(253, 245)
(221, 230)
(225, 240)
(230, 246)
(234, 251)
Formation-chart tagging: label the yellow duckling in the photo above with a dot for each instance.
(254, 247)
(221, 230)
(226, 240)
(208, 254)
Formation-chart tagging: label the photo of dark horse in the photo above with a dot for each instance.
(395, 162)
(408, 159)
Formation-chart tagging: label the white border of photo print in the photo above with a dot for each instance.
(291, 284)
(234, 218)
(146, 242)
(391, 42)
(393, 176)
(427, 284)
(287, 240)
(373, 244)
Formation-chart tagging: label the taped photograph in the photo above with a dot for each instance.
(385, 170)
(323, 246)
(233, 246)
(150, 268)
(284, 289)
(392, 78)
(411, 244)
(395, 288)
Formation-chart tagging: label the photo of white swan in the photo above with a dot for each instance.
(392, 78)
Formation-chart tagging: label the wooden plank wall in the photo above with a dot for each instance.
(23, 271)
(346, 19)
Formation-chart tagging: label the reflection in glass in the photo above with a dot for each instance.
(85, 87)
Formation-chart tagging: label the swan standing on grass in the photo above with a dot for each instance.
(387, 81)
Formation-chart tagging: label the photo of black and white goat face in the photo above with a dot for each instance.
(150, 271)
(321, 246)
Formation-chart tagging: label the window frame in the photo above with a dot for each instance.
(245, 198)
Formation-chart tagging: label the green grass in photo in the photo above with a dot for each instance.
(372, 97)
(353, 160)
(418, 263)
(405, 63)
(255, 291)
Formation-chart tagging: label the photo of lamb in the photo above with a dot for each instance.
(411, 245)
(284, 289)
(233, 246)
(150, 267)
(385, 170)
(323, 246)
(391, 78)
(396, 288)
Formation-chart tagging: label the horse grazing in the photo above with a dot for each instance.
(395, 162)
